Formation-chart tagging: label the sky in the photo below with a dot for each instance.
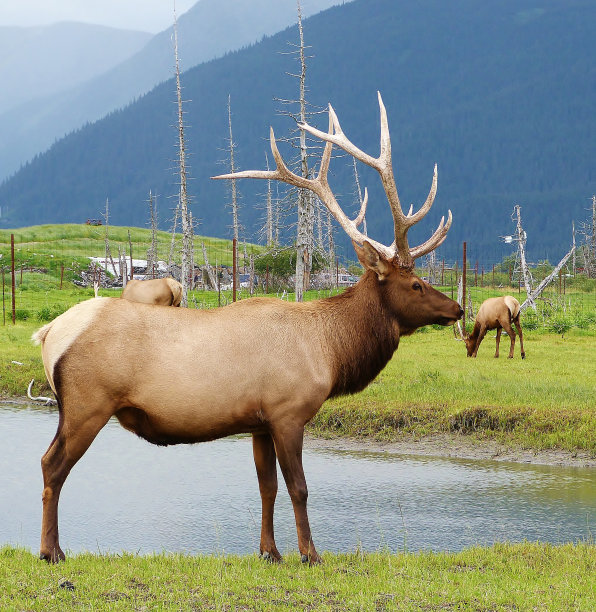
(146, 15)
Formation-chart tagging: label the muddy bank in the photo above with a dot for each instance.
(437, 445)
(457, 446)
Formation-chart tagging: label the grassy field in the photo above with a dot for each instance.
(525, 576)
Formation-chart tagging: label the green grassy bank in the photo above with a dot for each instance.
(502, 577)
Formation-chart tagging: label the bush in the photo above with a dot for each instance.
(49, 313)
(583, 320)
(22, 314)
(530, 321)
(560, 325)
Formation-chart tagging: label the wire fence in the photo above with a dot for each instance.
(45, 270)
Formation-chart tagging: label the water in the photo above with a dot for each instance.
(125, 494)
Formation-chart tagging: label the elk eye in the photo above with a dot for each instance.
(417, 286)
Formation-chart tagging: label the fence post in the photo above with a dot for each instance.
(14, 308)
(3, 304)
(464, 273)
(234, 266)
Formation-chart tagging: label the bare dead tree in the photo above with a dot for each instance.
(186, 254)
(530, 300)
(173, 239)
(305, 201)
(152, 250)
(108, 254)
(573, 244)
(233, 187)
(210, 272)
(521, 244)
(130, 252)
(588, 247)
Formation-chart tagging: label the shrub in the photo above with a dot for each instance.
(22, 314)
(530, 321)
(560, 325)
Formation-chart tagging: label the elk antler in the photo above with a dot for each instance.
(399, 250)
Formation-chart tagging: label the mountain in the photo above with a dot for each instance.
(42, 61)
(499, 93)
(209, 29)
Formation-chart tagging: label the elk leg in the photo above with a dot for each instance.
(521, 337)
(61, 456)
(511, 334)
(499, 330)
(288, 446)
(481, 335)
(265, 461)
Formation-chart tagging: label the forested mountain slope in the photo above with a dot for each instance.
(499, 93)
(209, 29)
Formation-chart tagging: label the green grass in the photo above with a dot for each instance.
(430, 386)
(508, 577)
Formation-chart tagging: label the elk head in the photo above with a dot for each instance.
(414, 301)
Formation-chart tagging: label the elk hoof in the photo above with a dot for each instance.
(66, 584)
(271, 557)
(523, 355)
(312, 560)
(54, 557)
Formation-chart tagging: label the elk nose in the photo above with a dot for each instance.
(461, 313)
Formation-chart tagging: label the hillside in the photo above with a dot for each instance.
(36, 62)
(209, 29)
(500, 94)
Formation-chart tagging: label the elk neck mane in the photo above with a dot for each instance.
(361, 334)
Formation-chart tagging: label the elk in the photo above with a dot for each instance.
(160, 291)
(496, 313)
(173, 384)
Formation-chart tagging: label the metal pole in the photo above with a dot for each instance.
(464, 272)
(14, 309)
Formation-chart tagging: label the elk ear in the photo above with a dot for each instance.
(371, 259)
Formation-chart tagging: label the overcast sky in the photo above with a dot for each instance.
(147, 15)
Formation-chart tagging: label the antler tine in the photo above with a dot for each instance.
(414, 218)
(360, 218)
(435, 240)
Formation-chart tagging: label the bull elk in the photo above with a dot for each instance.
(261, 366)
(160, 291)
(496, 313)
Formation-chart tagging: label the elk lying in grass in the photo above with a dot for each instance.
(160, 291)
(496, 313)
(173, 381)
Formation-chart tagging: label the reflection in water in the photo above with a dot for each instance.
(126, 494)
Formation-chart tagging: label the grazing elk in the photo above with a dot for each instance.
(496, 313)
(159, 291)
(173, 384)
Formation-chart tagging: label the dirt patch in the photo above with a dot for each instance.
(456, 446)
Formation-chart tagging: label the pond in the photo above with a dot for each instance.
(127, 495)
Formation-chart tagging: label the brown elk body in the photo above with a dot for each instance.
(260, 366)
(496, 313)
(159, 291)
